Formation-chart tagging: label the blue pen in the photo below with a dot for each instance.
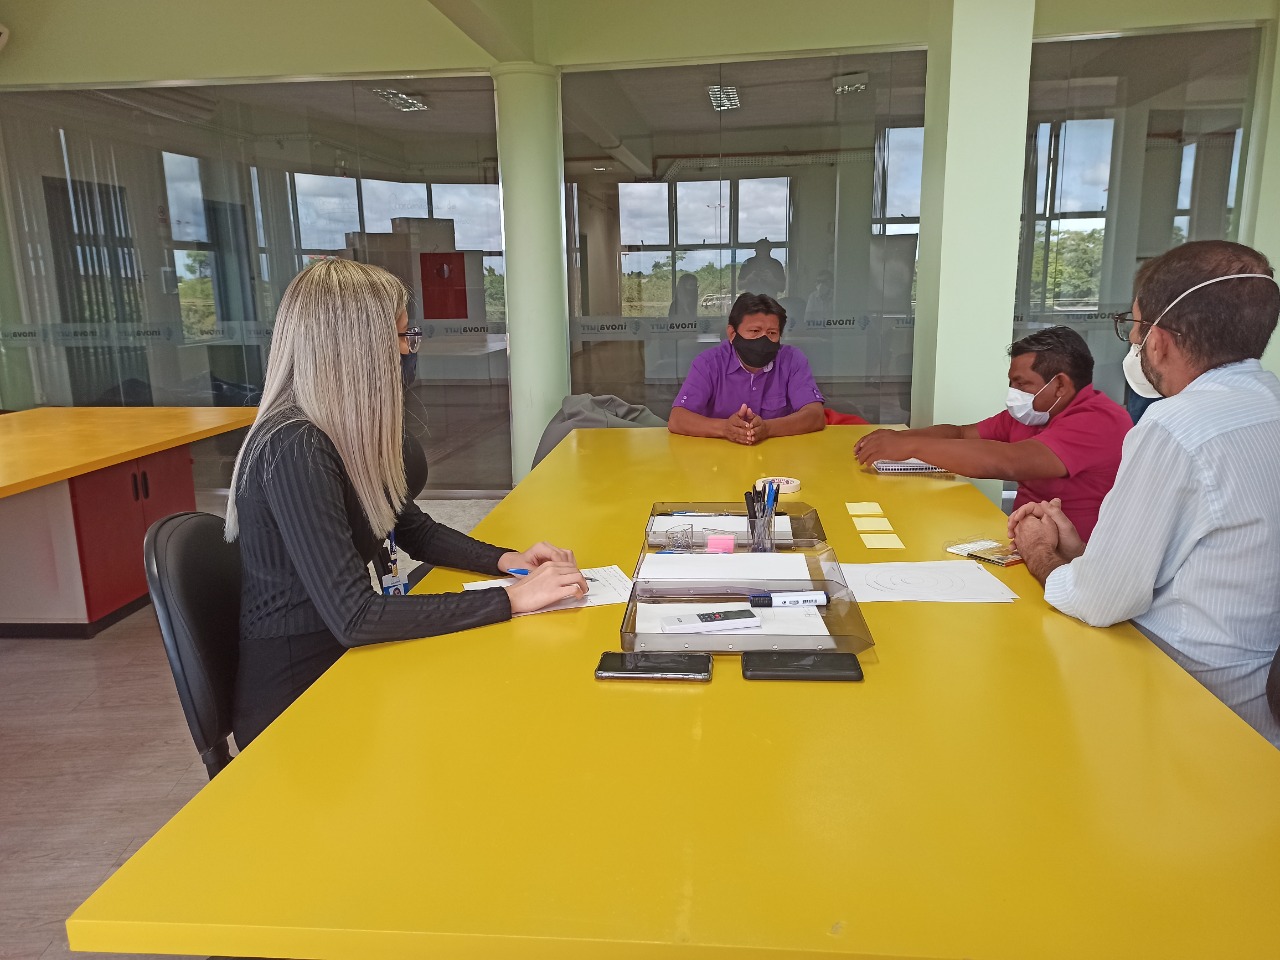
(519, 572)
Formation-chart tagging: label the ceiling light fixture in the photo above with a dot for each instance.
(724, 98)
(402, 101)
(850, 83)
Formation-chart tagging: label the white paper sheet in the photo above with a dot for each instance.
(724, 566)
(782, 621)
(937, 581)
(604, 584)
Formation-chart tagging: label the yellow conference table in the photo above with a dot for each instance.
(78, 488)
(1006, 783)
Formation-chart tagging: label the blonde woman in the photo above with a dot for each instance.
(319, 484)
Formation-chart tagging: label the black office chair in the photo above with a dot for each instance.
(1273, 687)
(194, 578)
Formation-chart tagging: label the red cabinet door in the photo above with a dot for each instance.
(444, 286)
(107, 507)
(167, 484)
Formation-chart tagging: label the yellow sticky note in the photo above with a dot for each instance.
(864, 508)
(871, 523)
(883, 541)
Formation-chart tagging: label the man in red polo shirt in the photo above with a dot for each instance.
(1058, 437)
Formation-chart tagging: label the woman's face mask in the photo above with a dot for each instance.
(408, 369)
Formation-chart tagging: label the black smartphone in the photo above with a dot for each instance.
(654, 666)
(801, 665)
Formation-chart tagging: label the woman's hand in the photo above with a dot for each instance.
(540, 553)
(551, 582)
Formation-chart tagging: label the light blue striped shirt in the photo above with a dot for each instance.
(1188, 539)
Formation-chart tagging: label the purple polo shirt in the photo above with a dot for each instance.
(718, 385)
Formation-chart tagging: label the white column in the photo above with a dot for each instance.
(531, 174)
(976, 94)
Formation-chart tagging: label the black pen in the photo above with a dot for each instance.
(751, 507)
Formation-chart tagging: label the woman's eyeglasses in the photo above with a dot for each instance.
(413, 337)
(1124, 323)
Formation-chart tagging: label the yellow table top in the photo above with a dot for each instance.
(1007, 783)
(49, 444)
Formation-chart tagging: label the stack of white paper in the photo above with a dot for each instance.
(938, 581)
(779, 621)
(726, 567)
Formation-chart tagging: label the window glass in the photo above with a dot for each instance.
(643, 213)
(154, 245)
(386, 200)
(1125, 158)
(186, 197)
(327, 211)
(798, 193)
(764, 209)
(475, 210)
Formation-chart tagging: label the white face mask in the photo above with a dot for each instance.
(1021, 406)
(1134, 374)
(1132, 363)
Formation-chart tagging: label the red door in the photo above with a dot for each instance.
(444, 286)
(167, 484)
(107, 507)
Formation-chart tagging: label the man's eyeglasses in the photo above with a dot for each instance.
(413, 337)
(1124, 323)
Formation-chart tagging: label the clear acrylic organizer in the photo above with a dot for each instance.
(837, 625)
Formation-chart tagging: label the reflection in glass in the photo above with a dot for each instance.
(154, 246)
(186, 197)
(795, 166)
(1125, 157)
(327, 211)
(764, 209)
(476, 212)
(643, 213)
(702, 212)
(904, 162)
(646, 284)
(386, 200)
(1084, 171)
(194, 270)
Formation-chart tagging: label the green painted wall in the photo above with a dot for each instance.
(577, 33)
(90, 42)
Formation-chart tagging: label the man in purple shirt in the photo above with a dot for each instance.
(750, 387)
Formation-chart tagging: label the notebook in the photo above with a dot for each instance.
(906, 466)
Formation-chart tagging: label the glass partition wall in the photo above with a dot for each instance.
(155, 230)
(690, 185)
(1134, 144)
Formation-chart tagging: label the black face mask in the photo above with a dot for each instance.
(408, 369)
(755, 353)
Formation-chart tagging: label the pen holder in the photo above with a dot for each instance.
(761, 535)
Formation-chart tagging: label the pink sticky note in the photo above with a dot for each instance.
(720, 543)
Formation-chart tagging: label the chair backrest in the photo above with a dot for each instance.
(194, 578)
(1273, 687)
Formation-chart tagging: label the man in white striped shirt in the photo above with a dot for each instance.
(1188, 540)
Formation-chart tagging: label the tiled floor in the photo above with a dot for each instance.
(95, 756)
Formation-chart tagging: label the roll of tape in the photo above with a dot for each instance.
(785, 484)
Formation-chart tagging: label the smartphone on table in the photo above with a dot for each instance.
(801, 665)
(654, 666)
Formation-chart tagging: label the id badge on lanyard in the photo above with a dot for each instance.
(393, 585)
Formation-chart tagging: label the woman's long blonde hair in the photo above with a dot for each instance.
(335, 362)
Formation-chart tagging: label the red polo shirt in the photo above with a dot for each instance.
(1087, 437)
